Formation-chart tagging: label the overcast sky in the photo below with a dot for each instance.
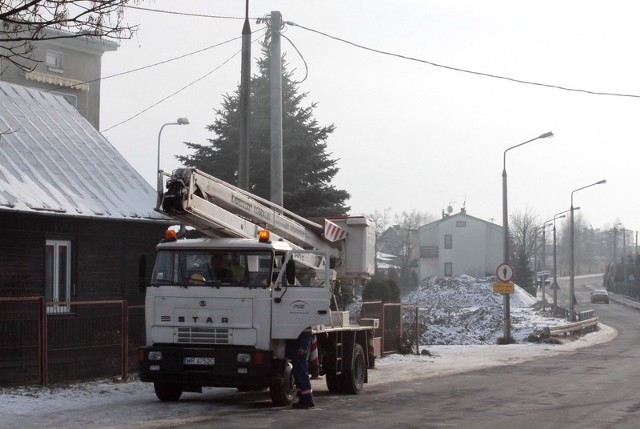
(409, 134)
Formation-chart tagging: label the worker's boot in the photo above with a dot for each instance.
(305, 401)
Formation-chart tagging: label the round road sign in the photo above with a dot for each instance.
(504, 272)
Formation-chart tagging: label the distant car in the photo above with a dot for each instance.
(600, 295)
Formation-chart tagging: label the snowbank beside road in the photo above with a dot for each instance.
(463, 310)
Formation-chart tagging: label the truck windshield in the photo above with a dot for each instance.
(189, 268)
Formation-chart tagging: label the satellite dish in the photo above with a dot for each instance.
(449, 209)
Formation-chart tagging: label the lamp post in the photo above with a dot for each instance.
(554, 285)
(179, 121)
(571, 251)
(505, 226)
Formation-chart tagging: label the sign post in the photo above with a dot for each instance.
(504, 286)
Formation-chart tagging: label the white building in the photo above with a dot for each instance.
(458, 244)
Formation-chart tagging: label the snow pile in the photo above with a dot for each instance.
(463, 310)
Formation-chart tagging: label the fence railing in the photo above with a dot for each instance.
(393, 323)
(49, 342)
(575, 327)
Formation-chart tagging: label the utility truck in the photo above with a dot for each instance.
(220, 309)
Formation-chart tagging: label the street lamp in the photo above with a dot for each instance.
(571, 248)
(505, 226)
(554, 285)
(179, 121)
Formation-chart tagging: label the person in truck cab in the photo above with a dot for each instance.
(220, 272)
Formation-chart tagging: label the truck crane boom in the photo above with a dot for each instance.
(220, 209)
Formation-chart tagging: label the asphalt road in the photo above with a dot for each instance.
(593, 387)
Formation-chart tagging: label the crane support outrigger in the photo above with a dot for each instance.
(220, 309)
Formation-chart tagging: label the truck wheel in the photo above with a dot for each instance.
(353, 378)
(167, 391)
(283, 393)
(334, 382)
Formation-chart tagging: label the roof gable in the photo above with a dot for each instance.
(52, 160)
(457, 217)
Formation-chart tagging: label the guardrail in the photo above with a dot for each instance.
(571, 328)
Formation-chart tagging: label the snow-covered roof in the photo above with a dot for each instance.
(52, 160)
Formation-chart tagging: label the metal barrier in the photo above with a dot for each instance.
(572, 328)
(392, 323)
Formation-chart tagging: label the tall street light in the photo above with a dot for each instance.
(505, 226)
(554, 285)
(179, 121)
(571, 248)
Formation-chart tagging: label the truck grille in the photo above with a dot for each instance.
(204, 335)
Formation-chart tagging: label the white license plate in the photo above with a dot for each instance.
(199, 361)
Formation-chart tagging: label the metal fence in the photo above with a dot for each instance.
(396, 321)
(44, 342)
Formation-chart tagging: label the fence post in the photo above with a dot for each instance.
(125, 341)
(43, 340)
(417, 330)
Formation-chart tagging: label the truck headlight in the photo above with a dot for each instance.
(154, 355)
(243, 358)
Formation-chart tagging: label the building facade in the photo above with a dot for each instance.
(458, 244)
(70, 67)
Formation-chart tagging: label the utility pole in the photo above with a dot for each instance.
(245, 91)
(275, 82)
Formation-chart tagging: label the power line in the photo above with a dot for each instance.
(170, 12)
(178, 91)
(172, 94)
(490, 75)
(155, 64)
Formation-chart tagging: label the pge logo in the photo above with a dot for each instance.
(299, 307)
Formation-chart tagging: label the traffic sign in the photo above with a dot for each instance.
(503, 287)
(544, 273)
(504, 272)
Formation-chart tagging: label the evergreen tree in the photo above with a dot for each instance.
(307, 168)
(381, 289)
(524, 276)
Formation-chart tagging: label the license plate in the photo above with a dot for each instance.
(199, 361)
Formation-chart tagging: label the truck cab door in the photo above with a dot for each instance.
(305, 303)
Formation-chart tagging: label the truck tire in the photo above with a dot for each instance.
(283, 393)
(167, 392)
(353, 378)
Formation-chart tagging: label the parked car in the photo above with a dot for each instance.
(600, 295)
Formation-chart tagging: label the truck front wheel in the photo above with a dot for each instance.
(284, 392)
(167, 392)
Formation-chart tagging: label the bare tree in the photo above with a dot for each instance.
(523, 231)
(406, 224)
(26, 21)
(381, 220)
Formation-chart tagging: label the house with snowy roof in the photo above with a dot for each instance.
(75, 217)
(458, 244)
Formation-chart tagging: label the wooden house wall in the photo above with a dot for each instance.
(105, 254)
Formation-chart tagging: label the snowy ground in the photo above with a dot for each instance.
(465, 311)
(462, 318)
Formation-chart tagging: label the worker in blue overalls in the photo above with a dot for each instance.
(298, 352)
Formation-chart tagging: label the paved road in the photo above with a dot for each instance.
(594, 387)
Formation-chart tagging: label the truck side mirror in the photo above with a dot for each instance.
(142, 272)
(291, 272)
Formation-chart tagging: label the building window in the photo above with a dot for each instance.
(448, 241)
(54, 61)
(448, 269)
(58, 274)
(428, 251)
(461, 223)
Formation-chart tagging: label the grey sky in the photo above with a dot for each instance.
(412, 135)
